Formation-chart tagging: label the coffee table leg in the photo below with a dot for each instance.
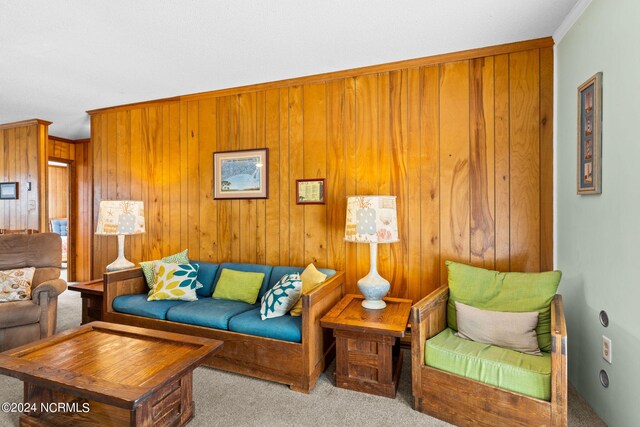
(170, 405)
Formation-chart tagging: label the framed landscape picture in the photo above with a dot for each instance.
(590, 136)
(242, 174)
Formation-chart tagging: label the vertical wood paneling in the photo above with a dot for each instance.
(315, 166)
(465, 147)
(296, 171)
(482, 163)
(224, 206)
(285, 188)
(193, 180)
(399, 159)
(366, 156)
(413, 226)
(524, 91)
(351, 258)
(335, 192)
(454, 162)
(429, 180)
(261, 203)
(502, 162)
(546, 158)
(272, 204)
(208, 132)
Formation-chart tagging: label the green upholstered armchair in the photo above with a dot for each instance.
(470, 383)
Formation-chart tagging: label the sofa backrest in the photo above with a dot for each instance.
(206, 274)
(281, 270)
(253, 268)
(42, 251)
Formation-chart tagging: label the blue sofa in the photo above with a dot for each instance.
(288, 349)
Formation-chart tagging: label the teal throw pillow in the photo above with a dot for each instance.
(278, 300)
(238, 286)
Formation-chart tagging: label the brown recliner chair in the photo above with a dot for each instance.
(24, 321)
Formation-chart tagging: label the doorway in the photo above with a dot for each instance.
(59, 211)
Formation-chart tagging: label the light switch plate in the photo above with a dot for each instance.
(606, 348)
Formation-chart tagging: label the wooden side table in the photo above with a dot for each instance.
(91, 294)
(368, 357)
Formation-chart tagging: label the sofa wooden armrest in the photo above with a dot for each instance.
(558, 363)
(318, 343)
(123, 282)
(428, 318)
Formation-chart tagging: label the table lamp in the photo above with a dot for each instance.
(120, 218)
(372, 220)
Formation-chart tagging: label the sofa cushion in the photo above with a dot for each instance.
(285, 328)
(508, 369)
(514, 292)
(206, 273)
(19, 313)
(253, 268)
(208, 312)
(138, 305)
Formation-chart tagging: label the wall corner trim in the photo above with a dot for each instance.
(570, 20)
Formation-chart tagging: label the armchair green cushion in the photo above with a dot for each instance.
(508, 369)
(514, 292)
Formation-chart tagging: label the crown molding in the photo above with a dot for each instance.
(569, 21)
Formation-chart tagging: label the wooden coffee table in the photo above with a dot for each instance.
(108, 375)
(368, 356)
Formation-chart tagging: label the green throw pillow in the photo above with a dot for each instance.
(513, 292)
(147, 266)
(238, 286)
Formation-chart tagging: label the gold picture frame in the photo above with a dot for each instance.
(589, 171)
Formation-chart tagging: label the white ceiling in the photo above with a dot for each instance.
(61, 58)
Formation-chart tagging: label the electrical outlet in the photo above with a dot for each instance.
(606, 348)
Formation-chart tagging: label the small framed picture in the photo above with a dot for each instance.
(589, 179)
(8, 190)
(310, 191)
(241, 174)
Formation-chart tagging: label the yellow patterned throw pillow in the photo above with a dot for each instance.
(174, 281)
(311, 277)
(15, 285)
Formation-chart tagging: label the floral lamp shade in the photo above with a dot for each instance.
(120, 217)
(371, 219)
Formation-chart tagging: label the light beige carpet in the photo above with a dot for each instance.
(224, 399)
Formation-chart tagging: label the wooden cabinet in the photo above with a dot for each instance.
(368, 357)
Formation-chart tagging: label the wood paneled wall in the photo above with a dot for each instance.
(463, 140)
(23, 160)
(58, 191)
(76, 154)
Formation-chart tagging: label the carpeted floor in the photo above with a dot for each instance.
(224, 399)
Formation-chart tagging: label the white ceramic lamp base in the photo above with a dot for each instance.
(373, 286)
(121, 263)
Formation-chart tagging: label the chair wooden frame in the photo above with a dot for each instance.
(465, 402)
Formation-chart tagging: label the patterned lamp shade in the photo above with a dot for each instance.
(120, 217)
(371, 219)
